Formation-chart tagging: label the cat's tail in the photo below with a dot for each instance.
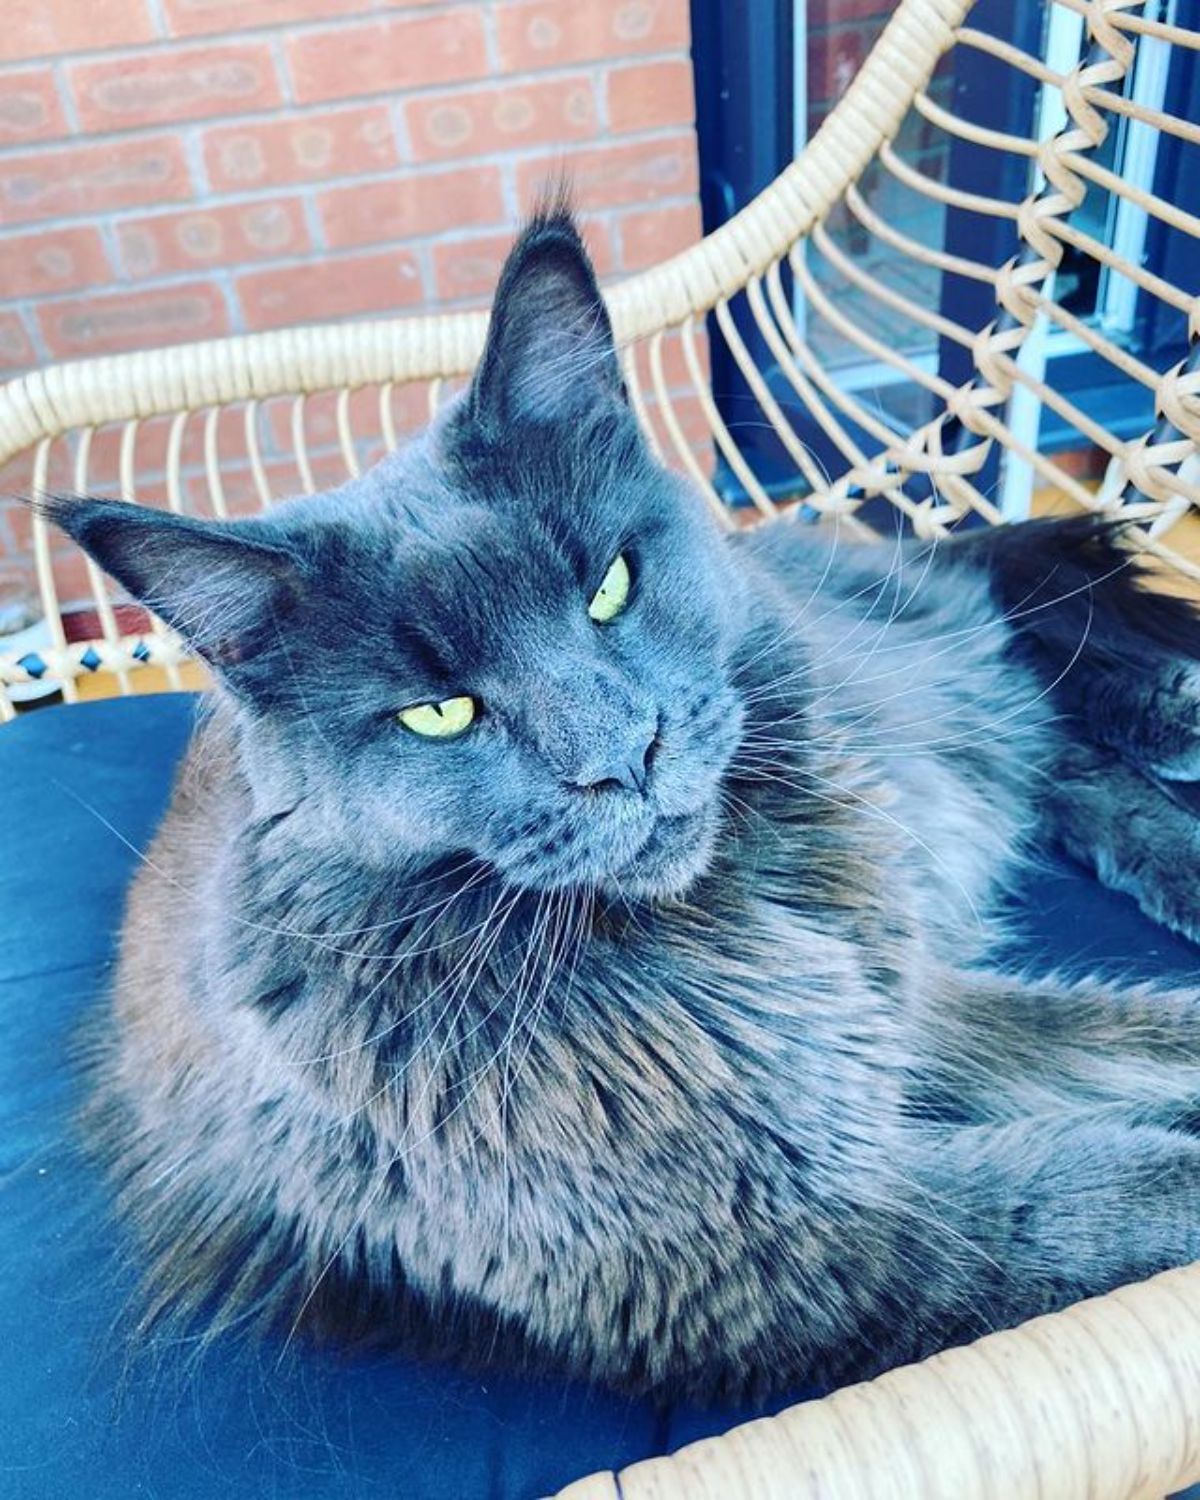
(1119, 655)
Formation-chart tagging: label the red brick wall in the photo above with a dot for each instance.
(175, 169)
(182, 169)
(840, 34)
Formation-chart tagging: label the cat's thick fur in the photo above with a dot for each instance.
(702, 1087)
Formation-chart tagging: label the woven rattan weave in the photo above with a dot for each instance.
(1101, 1402)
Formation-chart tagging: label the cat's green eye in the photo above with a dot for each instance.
(613, 594)
(439, 721)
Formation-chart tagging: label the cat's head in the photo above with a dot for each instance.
(510, 639)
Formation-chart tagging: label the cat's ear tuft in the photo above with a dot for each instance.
(225, 586)
(549, 354)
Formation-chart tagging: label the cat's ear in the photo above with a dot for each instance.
(549, 354)
(225, 586)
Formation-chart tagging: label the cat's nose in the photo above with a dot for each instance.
(627, 768)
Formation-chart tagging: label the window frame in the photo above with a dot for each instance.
(751, 121)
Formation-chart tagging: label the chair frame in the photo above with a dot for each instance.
(1102, 1401)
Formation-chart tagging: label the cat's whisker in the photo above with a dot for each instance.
(465, 971)
(770, 749)
(477, 933)
(864, 659)
(807, 669)
(528, 959)
(374, 1195)
(878, 586)
(1018, 712)
(473, 963)
(795, 621)
(474, 1080)
(952, 641)
(873, 810)
(266, 928)
(563, 904)
(951, 644)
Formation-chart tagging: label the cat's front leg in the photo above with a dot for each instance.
(1119, 661)
(1138, 832)
(992, 1048)
(1042, 1212)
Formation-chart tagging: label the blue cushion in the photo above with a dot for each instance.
(84, 788)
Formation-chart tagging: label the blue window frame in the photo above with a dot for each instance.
(750, 77)
(746, 71)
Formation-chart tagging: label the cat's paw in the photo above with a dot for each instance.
(1172, 900)
(1139, 832)
(1156, 858)
(1169, 729)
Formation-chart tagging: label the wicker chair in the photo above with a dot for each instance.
(1101, 1401)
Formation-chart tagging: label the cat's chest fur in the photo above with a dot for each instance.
(546, 1078)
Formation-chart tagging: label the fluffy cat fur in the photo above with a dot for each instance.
(644, 1031)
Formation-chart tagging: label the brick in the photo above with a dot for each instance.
(133, 320)
(93, 179)
(30, 109)
(697, 435)
(150, 453)
(40, 28)
(283, 481)
(409, 406)
(653, 235)
(613, 175)
(1083, 463)
(554, 33)
(675, 370)
(56, 260)
(501, 119)
(16, 479)
(238, 489)
(676, 375)
(446, 46)
(8, 547)
(16, 352)
(833, 59)
(347, 287)
(305, 149)
(651, 95)
(18, 592)
(71, 577)
(407, 206)
(174, 84)
(200, 17)
(469, 268)
(822, 13)
(195, 239)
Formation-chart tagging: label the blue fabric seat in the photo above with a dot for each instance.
(84, 788)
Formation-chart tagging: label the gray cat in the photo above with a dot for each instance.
(567, 942)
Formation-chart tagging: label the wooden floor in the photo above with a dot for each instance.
(1185, 539)
(192, 677)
